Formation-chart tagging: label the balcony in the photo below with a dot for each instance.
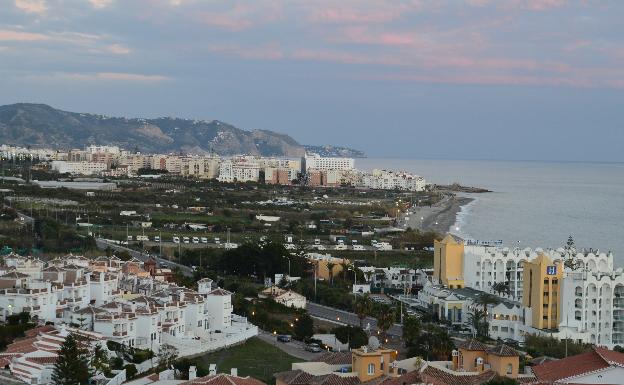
(119, 334)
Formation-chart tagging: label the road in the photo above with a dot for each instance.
(294, 348)
(346, 318)
(103, 244)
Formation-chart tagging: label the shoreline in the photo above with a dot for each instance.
(441, 217)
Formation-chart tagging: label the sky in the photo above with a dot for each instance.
(445, 79)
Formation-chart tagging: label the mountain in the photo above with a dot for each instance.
(39, 125)
(335, 151)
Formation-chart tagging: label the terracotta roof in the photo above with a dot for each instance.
(225, 379)
(473, 345)
(42, 360)
(14, 275)
(220, 291)
(299, 377)
(334, 358)
(503, 350)
(596, 359)
(435, 376)
(412, 377)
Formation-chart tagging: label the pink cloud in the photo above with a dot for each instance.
(264, 52)
(8, 35)
(118, 49)
(31, 6)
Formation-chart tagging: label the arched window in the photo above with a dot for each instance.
(371, 369)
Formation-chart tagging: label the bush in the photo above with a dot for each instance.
(131, 371)
(116, 363)
(140, 355)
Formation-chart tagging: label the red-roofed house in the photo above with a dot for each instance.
(598, 366)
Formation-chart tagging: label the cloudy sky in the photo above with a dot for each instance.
(473, 79)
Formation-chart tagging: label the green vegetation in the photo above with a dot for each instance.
(537, 346)
(355, 336)
(72, 365)
(426, 340)
(14, 328)
(254, 358)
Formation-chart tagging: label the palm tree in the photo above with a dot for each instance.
(486, 299)
(363, 307)
(501, 287)
(330, 269)
(478, 321)
(385, 320)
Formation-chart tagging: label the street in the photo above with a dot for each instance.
(294, 348)
(103, 244)
(347, 318)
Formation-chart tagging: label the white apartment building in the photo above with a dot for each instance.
(392, 180)
(394, 277)
(219, 304)
(588, 299)
(78, 168)
(317, 162)
(238, 171)
(201, 167)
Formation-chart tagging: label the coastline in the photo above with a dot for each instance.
(440, 217)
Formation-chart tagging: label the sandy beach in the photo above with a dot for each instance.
(439, 217)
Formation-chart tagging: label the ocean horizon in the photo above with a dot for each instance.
(532, 203)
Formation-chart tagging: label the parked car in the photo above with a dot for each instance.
(283, 338)
(195, 240)
(314, 348)
(204, 240)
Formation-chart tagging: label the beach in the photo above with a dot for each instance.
(439, 217)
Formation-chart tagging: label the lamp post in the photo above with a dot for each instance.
(284, 256)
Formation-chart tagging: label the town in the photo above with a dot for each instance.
(166, 269)
(311, 170)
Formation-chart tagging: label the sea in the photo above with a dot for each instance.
(532, 204)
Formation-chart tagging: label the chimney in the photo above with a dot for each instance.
(234, 372)
(212, 370)
(192, 373)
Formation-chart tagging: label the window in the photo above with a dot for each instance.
(509, 368)
(371, 369)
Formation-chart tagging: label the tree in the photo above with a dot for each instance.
(478, 321)
(330, 270)
(363, 307)
(501, 287)
(486, 299)
(72, 364)
(167, 356)
(304, 328)
(99, 360)
(355, 336)
(411, 330)
(385, 319)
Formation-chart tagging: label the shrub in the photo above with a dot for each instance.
(131, 371)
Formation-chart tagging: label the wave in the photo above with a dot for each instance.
(461, 217)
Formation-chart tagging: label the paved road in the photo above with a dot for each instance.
(294, 348)
(103, 244)
(346, 318)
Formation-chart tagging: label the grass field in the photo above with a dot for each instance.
(254, 358)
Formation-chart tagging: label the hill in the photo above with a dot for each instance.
(40, 125)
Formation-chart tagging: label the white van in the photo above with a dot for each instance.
(157, 239)
(186, 240)
(129, 237)
(358, 247)
(195, 240)
(317, 241)
(176, 239)
(142, 238)
(204, 240)
(217, 241)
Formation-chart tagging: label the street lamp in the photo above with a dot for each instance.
(284, 256)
